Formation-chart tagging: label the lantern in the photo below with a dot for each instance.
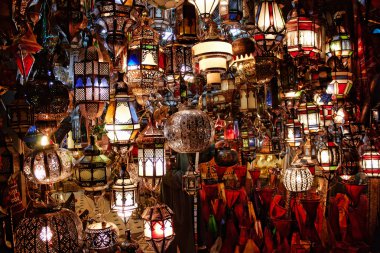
(102, 236)
(20, 114)
(297, 179)
(308, 115)
(6, 159)
(370, 162)
(158, 227)
(340, 44)
(303, 34)
(205, 7)
(48, 164)
(91, 83)
(326, 115)
(122, 122)
(191, 182)
(91, 170)
(162, 19)
(189, 131)
(293, 133)
(329, 156)
(270, 25)
(291, 98)
(143, 59)
(349, 166)
(151, 154)
(231, 11)
(48, 232)
(164, 4)
(341, 84)
(186, 23)
(124, 192)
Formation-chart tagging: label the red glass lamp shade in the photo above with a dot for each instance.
(329, 157)
(158, 227)
(270, 25)
(308, 115)
(370, 162)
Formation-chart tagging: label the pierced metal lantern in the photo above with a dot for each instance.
(303, 34)
(91, 170)
(20, 114)
(308, 115)
(145, 59)
(189, 131)
(124, 192)
(370, 162)
(6, 159)
(231, 11)
(178, 62)
(102, 236)
(54, 231)
(293, 132)
(151, 153)
(158, 227)
(48, 164)
(329, 156)
(297, 178)
(186, 23)
(191, 182)
(270, 25)
(341, 84)
(122, 122)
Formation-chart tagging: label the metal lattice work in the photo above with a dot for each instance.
(101, 236)
(298, 179)
(59, 231)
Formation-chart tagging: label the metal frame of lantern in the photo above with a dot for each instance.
(101, 236)
(270, 25)
(308, 115)
(162, 18)
(326, 115)
(243, 56)
(186, 25)
(293, 132)
(341, 84)
(303, 34)
(20, 114)
(191, 182)
(370, 162)
(350, 163)
(121, 120)
(329, 157)
(230, 11)
(124, 193)
(145, 59)
(340, 44)
(158, 227)
(298, 178)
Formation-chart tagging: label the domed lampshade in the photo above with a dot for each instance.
(189, 131)
(329, 156)
(298, 179)
(102, 236)
(57, 231)
(164, 4)
(158, 227)
(270, 25)
(370, 162)
(48, 164)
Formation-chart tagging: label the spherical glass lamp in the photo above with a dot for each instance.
(370, 162)
(298, 178)
(189, 131)
(329, 156)
(158, 227)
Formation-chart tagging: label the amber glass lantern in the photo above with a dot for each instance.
(186, 25)
(329, 156)
(158, 227)
(144, 56)
(270, 25)
(298, 178)
(370, 162)
(303, 34)
(293, 133)
(92, 172)
(308, 115)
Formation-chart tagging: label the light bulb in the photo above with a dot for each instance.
(44, 141)
(46, 234)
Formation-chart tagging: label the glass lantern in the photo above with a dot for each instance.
(350, 163)
(270, 25)
(297, 178)
(370, 162)
(340, 44)
(162, 20)
(341, 84)
(158, 227)
(191, 182)
(102, 236)
(92, 172)
(231, 11)
(293, 133)
(308, 115)
(326, 115)
(329, 157)
(186, 25)
(205, 7)
(122, 122)
(303, 34)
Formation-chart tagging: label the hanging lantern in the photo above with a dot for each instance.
(329, 156)
(340, 44)
(145, 59)
(291, 98)
(341, 84)
(6, 159)
(303, 34)
(91, 83)
(308, 115)
(48, 232)
(162, 19)
(164, 4)
(91, 170)
(102, 236)
(48, 164)
(231, 11)
(124, 193)
(122, 122)
(20, 114)
(293, 133)
(349, 166)
(370, 162)
(189, 131)
(186, 23)
(191, 182)
(158, 227)
(297, 179)
(243, 53)
(326, 115)
(270, 25)
(205, 8)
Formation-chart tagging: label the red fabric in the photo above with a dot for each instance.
(276, 211)
(25, 64)
(230, 240)
(219, 209)
(232, 196)
(239, 213)
(211, 191)
(255, 174)
(268, 241)
(266, 196)
(354, 192)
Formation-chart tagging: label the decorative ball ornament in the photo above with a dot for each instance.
(102, 236)
(57, 231)
(189, 131)
(158, 227)
(48, 165)
(298, 179)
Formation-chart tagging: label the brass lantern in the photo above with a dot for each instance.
(298, 178)
(92, 172)
(329, 156)
(186, 23)
(191, 182)
(158, 227)
(270, 25)
(91, 83)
